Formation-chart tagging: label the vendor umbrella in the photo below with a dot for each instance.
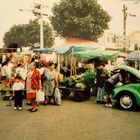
(134, 56)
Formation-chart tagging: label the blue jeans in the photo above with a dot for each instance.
(100, 94)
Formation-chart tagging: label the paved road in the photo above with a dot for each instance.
(71, 121)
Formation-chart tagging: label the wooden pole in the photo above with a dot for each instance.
(71, 68)
(58, 59)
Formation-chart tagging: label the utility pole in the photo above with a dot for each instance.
(124, 19)
(125, 14)
(38, 11)
(39, 8)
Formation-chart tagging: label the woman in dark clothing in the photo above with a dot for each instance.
(101, 77)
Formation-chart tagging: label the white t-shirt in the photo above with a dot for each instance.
(115, 79)
(22, 72)
(3, 71)
(18, 86)
(6, 71)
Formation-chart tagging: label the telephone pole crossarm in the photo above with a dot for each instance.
(125, 14)
(38, 11)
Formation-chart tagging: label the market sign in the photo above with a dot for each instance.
(123, 42)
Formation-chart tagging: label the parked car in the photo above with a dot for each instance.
(128, 94)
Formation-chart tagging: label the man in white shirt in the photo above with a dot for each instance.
(5, 70)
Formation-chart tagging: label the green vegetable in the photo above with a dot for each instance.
(85, 80)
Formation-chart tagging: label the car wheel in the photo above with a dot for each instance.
(127, 101)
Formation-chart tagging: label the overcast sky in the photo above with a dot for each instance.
(10, 14)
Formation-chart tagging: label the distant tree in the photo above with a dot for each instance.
(16, 35)
(28, 34)
(79, 18)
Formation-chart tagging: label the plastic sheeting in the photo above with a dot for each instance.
(64, 50)
(134, 56)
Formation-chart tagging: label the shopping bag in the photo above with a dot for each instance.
(57, 96)
(40, 96)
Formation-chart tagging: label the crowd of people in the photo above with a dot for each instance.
(31, 79)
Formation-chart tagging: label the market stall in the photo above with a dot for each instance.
(133, 59)
(65, 59)
(78, 87)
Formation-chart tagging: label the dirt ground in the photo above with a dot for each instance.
(70, 121)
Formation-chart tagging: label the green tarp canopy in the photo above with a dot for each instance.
(92, 55)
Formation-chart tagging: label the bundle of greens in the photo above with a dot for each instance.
(84, 81)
